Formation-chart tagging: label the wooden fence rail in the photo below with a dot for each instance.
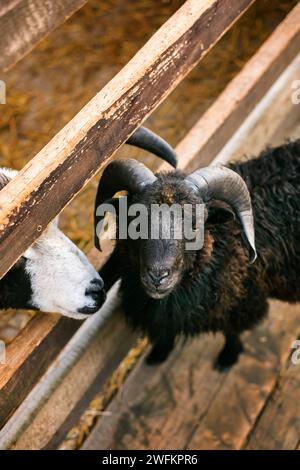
(23, 23)
(51, 179)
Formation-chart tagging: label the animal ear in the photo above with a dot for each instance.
(219, 213)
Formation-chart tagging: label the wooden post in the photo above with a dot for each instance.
(209, 135)
(23, 23)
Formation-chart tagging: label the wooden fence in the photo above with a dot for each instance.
(23, 23)
(66, 164)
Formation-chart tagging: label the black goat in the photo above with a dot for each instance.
(53, 275)
(170, 292)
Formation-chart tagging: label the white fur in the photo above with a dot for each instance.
(9, 172)
(59, 272)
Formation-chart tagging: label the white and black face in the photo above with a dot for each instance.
(53, 276)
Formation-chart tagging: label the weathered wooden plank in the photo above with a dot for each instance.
(240, 97)
(69, 161)
(28, 357)
(250, 138)
(185, 404)
(23, 23)
(78, 388)
(247, 389)
(7, 5)
(30, 354)
(279, 424)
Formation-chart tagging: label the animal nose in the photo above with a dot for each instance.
(158, 275)
(96, 284)
(97, 293)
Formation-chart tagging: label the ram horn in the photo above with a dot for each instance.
(147, 140)
(219, 182)
(120, 175)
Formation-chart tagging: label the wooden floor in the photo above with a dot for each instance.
(185, 404)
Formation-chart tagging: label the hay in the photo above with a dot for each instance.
(96, 409)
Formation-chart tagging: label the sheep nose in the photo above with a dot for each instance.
(96, 284)
(158, 275)
(97, 293)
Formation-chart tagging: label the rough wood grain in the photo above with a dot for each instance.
(23, 23)
(185, 404)
(235, 409)
(31, 353)
(279, 424)
(68, 162)
(28, 357)
(251, 137)
(240, 97)
(96, 365)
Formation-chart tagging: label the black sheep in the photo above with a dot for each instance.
(53, 275)
(169, 292)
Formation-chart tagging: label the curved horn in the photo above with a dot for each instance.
(219, 182)
(120, 175)
(147, 140)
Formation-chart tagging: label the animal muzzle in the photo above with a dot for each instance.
(95, 295)
(157, 281)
